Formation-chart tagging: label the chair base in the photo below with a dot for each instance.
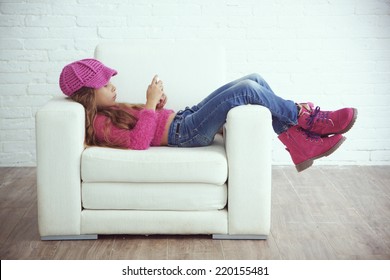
(239, 236)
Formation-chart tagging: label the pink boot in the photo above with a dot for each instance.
(326, 122)
(304, 147)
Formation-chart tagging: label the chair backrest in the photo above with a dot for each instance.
(190, 71)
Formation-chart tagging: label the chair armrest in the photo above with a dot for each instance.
(248, 140)
(60, 133)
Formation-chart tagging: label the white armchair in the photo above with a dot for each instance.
(223, 189)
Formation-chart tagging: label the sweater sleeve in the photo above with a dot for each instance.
(138, 138)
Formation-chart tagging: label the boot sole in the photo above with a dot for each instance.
(306, 164)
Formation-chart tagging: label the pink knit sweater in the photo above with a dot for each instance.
(147, 132)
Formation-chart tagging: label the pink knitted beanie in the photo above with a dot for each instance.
(84, 73)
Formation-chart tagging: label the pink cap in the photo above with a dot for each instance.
(84, 73)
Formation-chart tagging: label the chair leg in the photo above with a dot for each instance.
(70, 237)
(240, 236)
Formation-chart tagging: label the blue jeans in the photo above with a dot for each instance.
(197, 126)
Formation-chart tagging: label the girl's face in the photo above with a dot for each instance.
(106, 95)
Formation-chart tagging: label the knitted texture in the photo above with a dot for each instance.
(84, 73)
(147, 132)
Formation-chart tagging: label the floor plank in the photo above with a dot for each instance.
(194, 247)
(100, 249)
(251, 249)
(140, 247)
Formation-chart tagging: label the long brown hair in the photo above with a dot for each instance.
(118, 115)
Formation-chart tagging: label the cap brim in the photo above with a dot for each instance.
(102, 78)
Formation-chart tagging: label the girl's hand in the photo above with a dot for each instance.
(162, 102)
(154, 94)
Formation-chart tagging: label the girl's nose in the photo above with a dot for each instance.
(113, 88)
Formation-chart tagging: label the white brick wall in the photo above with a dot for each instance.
(333, 52)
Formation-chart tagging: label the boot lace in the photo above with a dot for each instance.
(318, 115)
(310, 136)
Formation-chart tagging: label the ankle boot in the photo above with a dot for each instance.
(304, 147)
(326, 123)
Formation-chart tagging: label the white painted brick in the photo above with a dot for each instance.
(24, 32)
(17, 159)
(165, 21)
(45, 67)
(52, 21)
(24, 8)
(212, 9)
(48, 44)
(268, 8)
(72, 32)
(12, 124)
(13, 89)
(317, 8)
(78, 10)
(342, 8)
(11, 44)
(87, 44)
(24, 101)
(22, 78)
(381, 156)
(374, 7)
(130, 33)
(161, 9)
(334, 53)
(15, 135)
(16, 112)
(43, 89)
(345, 156)
(67, 55)
(13, 67)
(11, 21)
(367, 145)
(19, 147)
(52, 77)
(382, 88)
(382, 66)
(139, 9)
(88, 21)
(22, 55)
(238, 10)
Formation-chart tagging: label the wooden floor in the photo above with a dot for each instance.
(322, 213)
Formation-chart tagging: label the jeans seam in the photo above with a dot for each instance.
(215, 109)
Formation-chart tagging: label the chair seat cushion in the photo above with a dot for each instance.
(156, 165)
(154, 196)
